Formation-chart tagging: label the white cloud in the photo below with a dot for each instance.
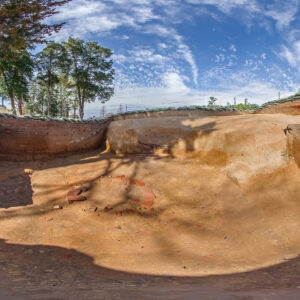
(283, 12)
(226, 6)
(174, 83)
(171, 95)
(183, 49)
(289, 56)
(232, 48)
(162, 67)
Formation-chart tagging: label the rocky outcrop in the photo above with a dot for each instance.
(28, 139)
(293, 135)
(243, 145)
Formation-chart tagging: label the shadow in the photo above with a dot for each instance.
(50, 272)
(15, 191)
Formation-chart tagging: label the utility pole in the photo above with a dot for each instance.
(278, 95)
(103, 112)
(234, 101)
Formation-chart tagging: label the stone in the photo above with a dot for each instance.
(57, 207)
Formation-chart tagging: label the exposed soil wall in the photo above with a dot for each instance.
(244, 145)
(293, 135)
(178, 113)
(27, 139)
(288, 108)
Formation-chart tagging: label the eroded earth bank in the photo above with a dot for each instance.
(180, 207)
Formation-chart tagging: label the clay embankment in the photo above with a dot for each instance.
(244, 145)
(288, 108)
(293, 134)
(28, 139)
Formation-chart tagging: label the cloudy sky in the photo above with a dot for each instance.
(180, 52)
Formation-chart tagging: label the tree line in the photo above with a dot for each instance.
(60, 79)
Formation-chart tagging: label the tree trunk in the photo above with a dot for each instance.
(81, 109)
(49, 101)
(12, 103)
(20, 105)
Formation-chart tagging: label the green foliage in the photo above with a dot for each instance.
(21, 27)
(91, 71)
(22, 23)
(212, 101)
(51, 62)
(248, 106)
(68, 75)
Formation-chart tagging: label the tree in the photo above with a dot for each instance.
(51, 62)
(21, 27)
(21, 22)
(212, 101)
(15, 73)
(91, 71)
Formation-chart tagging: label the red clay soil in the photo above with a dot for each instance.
(27, 139)
(288, 108)
(153, 226)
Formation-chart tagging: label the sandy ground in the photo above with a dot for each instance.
(152, 227)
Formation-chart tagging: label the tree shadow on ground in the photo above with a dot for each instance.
(15, 191)
(49, 272)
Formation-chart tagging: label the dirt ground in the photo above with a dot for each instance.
(149, 229)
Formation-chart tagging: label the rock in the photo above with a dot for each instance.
(57, 207)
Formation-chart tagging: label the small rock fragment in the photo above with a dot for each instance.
(28, 171)
(57, 207)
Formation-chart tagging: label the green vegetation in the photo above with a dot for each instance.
(62, 77)
(283, 100)
(241, 106)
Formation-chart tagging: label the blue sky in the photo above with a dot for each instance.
(180, 52)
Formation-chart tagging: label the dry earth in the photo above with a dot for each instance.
(157, 226)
